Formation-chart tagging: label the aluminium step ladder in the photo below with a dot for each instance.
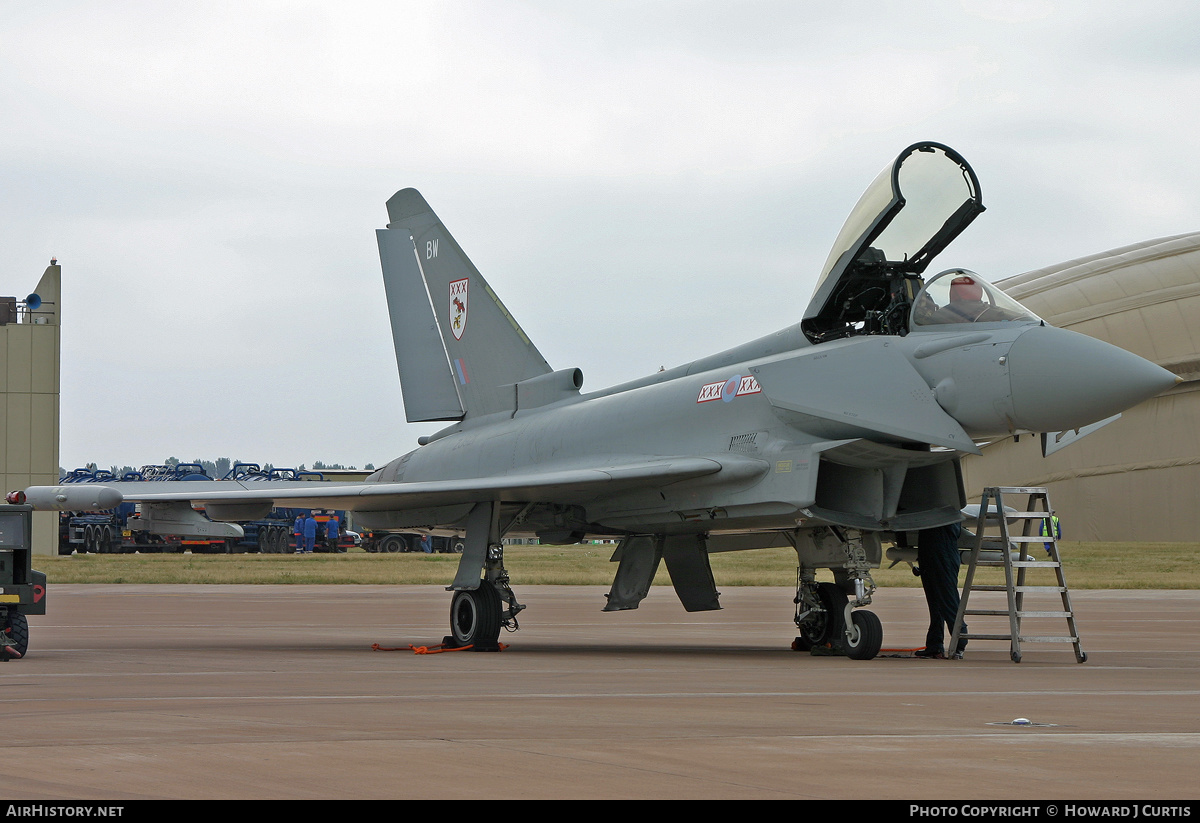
(993, 514)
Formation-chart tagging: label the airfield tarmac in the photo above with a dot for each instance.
(233, 692)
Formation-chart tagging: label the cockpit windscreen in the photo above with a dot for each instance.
(961, 296)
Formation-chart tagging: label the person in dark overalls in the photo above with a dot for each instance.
(939, 561)
(332, 531)
(310, 533)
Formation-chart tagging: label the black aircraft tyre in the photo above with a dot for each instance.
(824, 627)
(475, 616)
(18, 633)
(864, 643)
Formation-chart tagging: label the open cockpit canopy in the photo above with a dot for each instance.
(912, 211)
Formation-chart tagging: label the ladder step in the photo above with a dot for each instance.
(1004, 613)
(1036, 564)
(1022, 638)
(975, 587)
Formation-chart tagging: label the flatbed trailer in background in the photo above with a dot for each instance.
(383, 542)
(108, 531)
(119, 530)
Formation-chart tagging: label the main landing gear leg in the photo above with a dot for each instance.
(483, 602)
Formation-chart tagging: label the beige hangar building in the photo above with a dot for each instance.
(29, 386)
(1137, 479)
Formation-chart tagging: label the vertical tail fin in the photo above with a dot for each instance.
(458, 349)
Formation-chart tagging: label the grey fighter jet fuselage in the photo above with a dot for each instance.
(830, 436)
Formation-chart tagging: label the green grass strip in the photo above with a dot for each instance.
(1086, 566)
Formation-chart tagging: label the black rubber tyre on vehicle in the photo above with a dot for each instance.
(18, 632)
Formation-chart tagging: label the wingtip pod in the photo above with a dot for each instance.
(406, 204)
(81, 497)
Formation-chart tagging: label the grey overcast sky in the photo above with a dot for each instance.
(641, 182)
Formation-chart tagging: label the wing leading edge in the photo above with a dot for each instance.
(563, 485)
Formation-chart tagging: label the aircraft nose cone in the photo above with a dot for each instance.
(1064, 380)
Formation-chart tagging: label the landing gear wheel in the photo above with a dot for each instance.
(18, 633)
(866, 636)
(820, 628)
(475, 618)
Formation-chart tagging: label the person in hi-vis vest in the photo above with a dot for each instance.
(1049, 528)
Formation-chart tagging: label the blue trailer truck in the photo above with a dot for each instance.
(122, 530)
(110, 531)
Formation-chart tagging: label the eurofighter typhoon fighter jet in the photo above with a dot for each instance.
(830, 436)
